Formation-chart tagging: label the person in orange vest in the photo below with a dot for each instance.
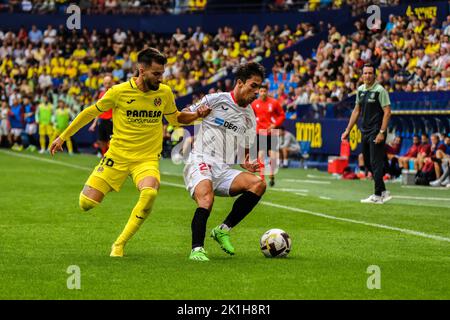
(104, 121)
(269, 116)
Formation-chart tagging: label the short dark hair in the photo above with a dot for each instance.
(265, 86)
(369, 65)
(247, 70)
(150, 55)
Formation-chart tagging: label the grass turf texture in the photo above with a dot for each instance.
(43, 232)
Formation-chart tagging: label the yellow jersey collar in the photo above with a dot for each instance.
(133, 83)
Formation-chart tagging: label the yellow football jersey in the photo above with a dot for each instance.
(137, 120)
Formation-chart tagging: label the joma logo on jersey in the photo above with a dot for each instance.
(144, 113)
(229, 125)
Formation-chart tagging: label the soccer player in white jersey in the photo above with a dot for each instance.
(223, 139)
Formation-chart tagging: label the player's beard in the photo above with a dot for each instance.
(152, 86)
(250, 100)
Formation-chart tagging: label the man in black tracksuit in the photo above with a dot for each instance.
(372, 101)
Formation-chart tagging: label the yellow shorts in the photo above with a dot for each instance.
(115, 173)
(45, 129)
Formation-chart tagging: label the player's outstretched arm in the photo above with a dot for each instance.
(187, 117)
(85, 116)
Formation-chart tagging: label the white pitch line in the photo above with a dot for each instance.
(171, 174)
(26, 156)
(421, 198)
(325, 198)
(173, 184)
(319, 177)
(307, 181)
(376, 225)
(290, 190)
(270, 204)
(426, 188)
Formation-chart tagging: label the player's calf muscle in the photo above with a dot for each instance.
(205, 201)
(204, 195)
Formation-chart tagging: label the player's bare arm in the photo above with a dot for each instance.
(186, 116)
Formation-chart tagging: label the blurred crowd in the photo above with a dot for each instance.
(37, 61)
(69, 66)
(411, 55)
(153, 7)
(157, 7)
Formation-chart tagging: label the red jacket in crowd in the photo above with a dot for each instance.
(267, 112)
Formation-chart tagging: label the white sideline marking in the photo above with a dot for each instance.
(270, 204)
(167, 173)
(307, 181)
(319, 177)
(27, 156)
(173, 184)
(426, 188)
(376, 225)
(290, 190)
(421, 198)
(325, 198)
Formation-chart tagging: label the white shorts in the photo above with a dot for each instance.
(16, 132)
(221, 175)
(31, 128)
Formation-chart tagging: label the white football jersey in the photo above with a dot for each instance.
(226, 132)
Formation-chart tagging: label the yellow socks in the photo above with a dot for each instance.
(69, 145)
(42, 141)
(137, 218)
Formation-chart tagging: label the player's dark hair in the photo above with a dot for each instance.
(150, 55)
(247, 70)
(265, 86)
(369, 65)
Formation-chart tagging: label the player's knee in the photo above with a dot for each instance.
(147, 197)
(86, 203)
(258, 187)
(262, 186)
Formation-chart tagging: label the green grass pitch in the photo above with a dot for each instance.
(335, 239)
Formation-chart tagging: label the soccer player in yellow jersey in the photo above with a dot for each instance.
(138, 106)
(61, 121)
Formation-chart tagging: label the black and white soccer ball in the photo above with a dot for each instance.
(275, 243)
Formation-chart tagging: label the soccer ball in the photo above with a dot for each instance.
(275, 243)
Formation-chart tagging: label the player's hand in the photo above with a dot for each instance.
(56, 146)
(250, 166)
(379, 138)
(203, 111)
(92, 127)
(344, 135)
